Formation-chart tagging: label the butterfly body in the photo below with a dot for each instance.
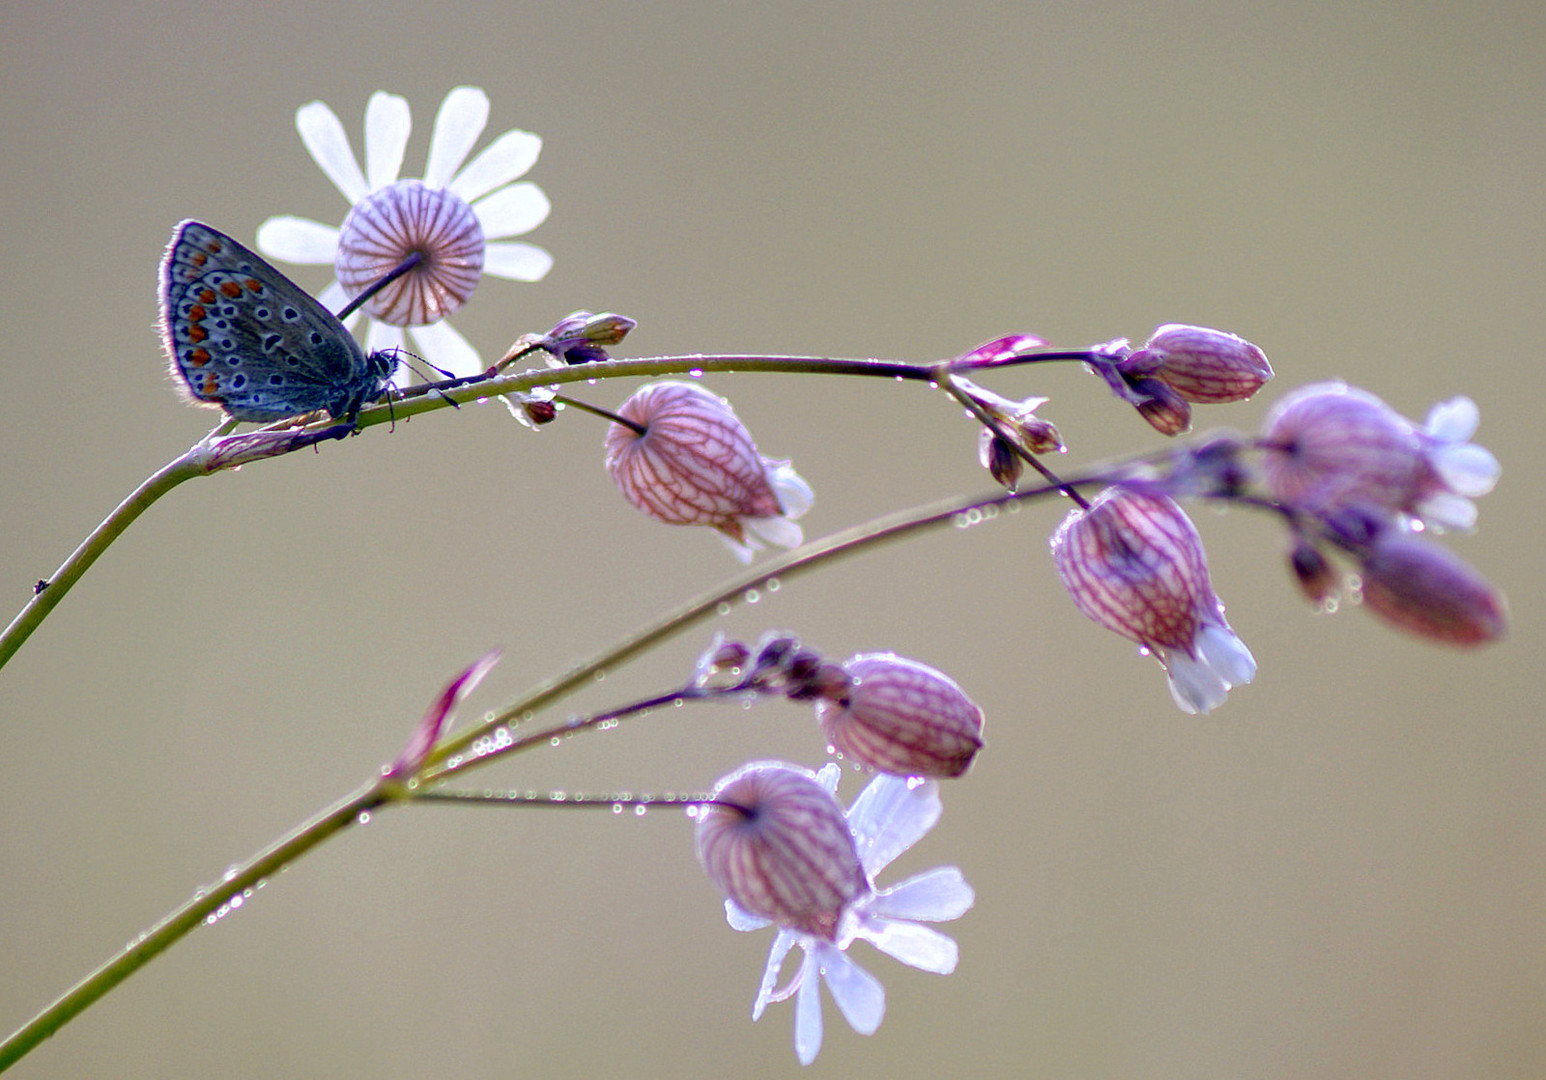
(242, 337)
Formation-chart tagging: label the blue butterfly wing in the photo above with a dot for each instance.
(242, 337)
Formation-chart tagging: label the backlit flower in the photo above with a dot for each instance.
(448, 219)
(1330, 447)
(1134, 563)
(889, 816)
(695, 464)
(901, 717)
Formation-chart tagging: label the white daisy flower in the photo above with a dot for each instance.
(448, 219)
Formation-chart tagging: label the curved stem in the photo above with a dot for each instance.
(52, 590)
(186, 918)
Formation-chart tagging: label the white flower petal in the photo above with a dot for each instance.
(457, 126)
(917, 946)
(807, 1013)
(1447, 511)
(1227, 654)
(387, 125)
(937, 895)
(446, 349)
(334, 298)
(778, 531)
(1454, 421)
(512, 210)
(503, 160)
(325, 140)
(890, 816)
(742, 552)
(516, 262)
(298, 240)
(781, 945)
(1194, 685)
(794, 494)
(738, 917)
(857, 993)
(1467, 469)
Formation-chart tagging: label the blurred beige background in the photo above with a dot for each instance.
(1339, 874)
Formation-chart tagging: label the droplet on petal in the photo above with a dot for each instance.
(398, 221)
(777, 844)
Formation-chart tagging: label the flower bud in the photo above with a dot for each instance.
(1133, 563)
(777, 844)
(1316, 576)
(901, 717)
(1203, 366)
(1425, 590)
(696, 464)
(581, 337)
(1165, 409)
(1000, 459)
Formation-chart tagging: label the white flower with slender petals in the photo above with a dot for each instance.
(887, 818)
(448, 218)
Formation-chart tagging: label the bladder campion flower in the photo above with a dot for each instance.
(696, 464)
(1134, 563)
(887, 818)
(901, 717)
(448, 219)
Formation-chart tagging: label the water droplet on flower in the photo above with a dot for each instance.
(772, 584)
(617, 808)
(723, 608)
(752, 596)
(364, 818)
(640, 810)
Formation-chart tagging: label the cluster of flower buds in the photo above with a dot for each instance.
(1015, 432)
(781, 850)
(690, 461)
(879, 710)
(1358, 479)
(1181, 366)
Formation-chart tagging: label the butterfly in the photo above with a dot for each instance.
(242, 337)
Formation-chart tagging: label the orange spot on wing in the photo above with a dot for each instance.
(231, 289)
(209, 386)
(254, 285)
(198, 357)
(196, 333)
(198, 258)
(207, 296)
(196, 312)
(214, 247)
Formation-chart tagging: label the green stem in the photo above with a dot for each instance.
(49, 593)
(180, 922)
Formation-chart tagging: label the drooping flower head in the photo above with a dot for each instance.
(1134, 563)
(448, 219)
(901, 717)
(788, 815)
(1330, 447)
(695, 464)
(1417, 586)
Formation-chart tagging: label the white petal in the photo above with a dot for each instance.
(807, 1013)
(512, 210)
(503, 160)
(778, 531)
(937, 895)
(298, 240)
(1227, 654)
(516, 262)
(457, 126)
(742, 552)
(793, 493)
(828, 776)
(781, 946)
(738, 917)
(325, 140)
(1454, 421)
(334, 298)
(857, 993)
(1194, 685)
(387, 125)
(1466, 469)
(1447, 511)
(914, 945)
(890, 816)
(446, 349)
